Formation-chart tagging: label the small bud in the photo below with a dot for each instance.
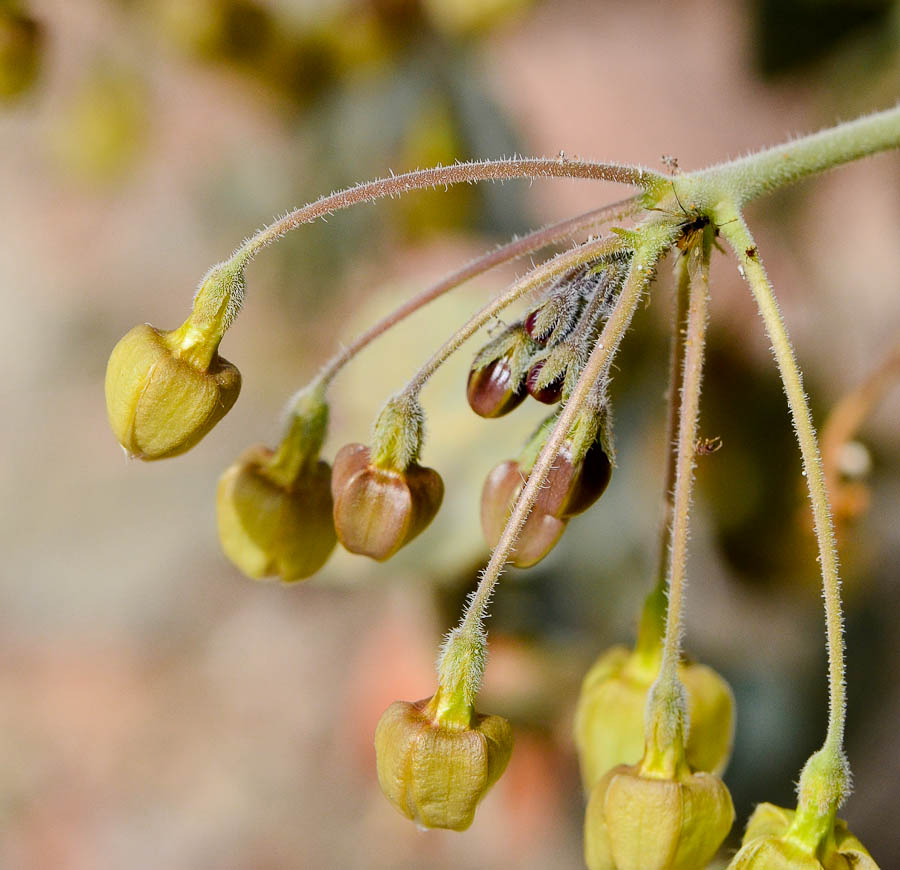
(159, 403)
(20, 50)
(770, 844)
(436, 772)
(549, 394)
(166, 390)
(379, 510)
(641, 822)
(538, 326)
(609, 718)
(572, 486)
(275, 523)
(491, 391)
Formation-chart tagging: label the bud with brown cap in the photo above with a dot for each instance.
(496, 383)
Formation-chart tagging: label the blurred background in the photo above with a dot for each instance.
(157, 709)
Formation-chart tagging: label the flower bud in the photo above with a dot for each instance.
(767, 846)
(269, 526)
(378, 510)
(159, 402)
(20, 49)
(492, 391)
(549, 394)
(609, 718)
(436, 772)
(642, 822)
(572, 486)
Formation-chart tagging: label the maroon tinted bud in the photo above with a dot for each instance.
(531, 327)
(541, 530)
(549, 394)
(491, 391)
(378, 510)
(571, 488)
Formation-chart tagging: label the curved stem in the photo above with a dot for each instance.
(639, 275)
(741, 240)
(488, 170)
(653, 614)
(533, 241)
(590, 252)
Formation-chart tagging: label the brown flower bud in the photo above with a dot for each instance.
(272, 526)
(379, 510)
(436, 772)
(549, 394)
(570, 489)
(640, 822)
(160, 400)
(491, 389)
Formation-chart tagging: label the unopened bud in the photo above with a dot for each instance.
(771, 842)
(609, 718)
(549, 394)
(492, 390)
(378, 510)
(435, 772)
(640, 822)
(272, 526)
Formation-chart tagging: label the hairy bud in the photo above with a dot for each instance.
(434, 771)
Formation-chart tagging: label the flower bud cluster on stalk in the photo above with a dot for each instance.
(653, 729)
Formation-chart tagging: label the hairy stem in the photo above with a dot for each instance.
(757, 174)
(533, 241)
(738, 235)
(653, 614)
(590, 252)
(639, 275)
(458, 173)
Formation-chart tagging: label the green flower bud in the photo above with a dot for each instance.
(20, 50)
(166, 390)
(609, 718)
(378, 510)
(639, 822)
(267, 527)
(771, 842)
(435, 768)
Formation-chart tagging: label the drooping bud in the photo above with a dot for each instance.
(274, 508)
(579, 475)
(772, 842)
(609, 718)
(166, 390)
(20, 50)
(496, 383)
(636, 821)
(436, 771)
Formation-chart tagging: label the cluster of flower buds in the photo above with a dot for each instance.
(658, 814)
(20, 50)
(609, 718)
(543, 354)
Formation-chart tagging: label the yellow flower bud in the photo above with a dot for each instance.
(159, 403)
(436, 769)
(269, 527)
(769, 844)
(609, 718)
(640, 822)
